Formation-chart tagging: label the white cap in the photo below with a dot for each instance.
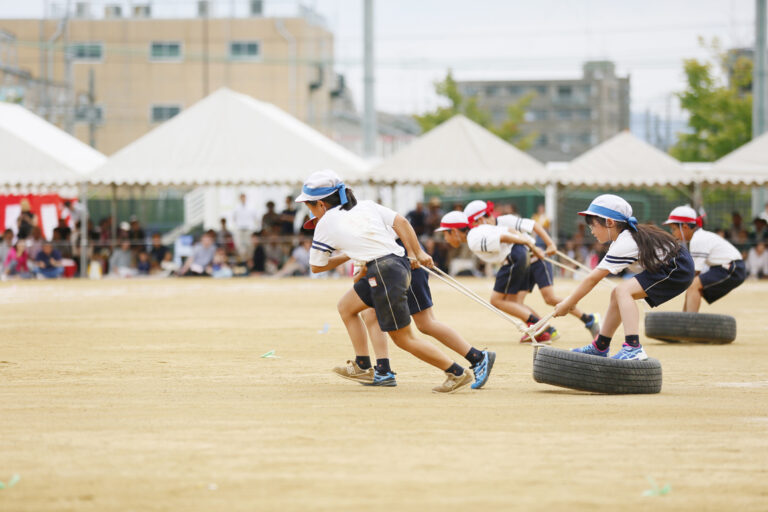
(609, 206)
(453, 220)
(475, 209)
(319, 185)
(683, 215)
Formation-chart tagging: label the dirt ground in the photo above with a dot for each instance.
(152, 396)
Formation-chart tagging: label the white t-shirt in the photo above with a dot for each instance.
(622, 253)
(710, 249)
(516, 223)
(485, 242)
(244, 217)
(360, 233)
(757, 263)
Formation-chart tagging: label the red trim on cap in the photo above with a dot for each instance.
(453, 225)
(488, 210)
(686, 220)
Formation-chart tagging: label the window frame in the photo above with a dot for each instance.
(99, 44)
(247, 58)
(153, 106)
(180, 57)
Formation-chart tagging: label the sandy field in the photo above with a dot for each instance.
(152, 396)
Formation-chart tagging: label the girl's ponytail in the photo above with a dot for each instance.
(655, 246)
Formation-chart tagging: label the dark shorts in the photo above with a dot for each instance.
(513, 275)
(386, 291)
(718, 281)
(674, 277)
(540, 273)
(419, 294)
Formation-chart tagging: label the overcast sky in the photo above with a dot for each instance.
(417, 40)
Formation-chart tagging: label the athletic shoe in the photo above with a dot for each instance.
(630, 353)
(354, 372)
(543, 337)
(482, 369)
(386, 380)
(594, 325)
(553, 334)
(453, 383)
(591, 350)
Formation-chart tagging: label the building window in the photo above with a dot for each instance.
(536, 114)
(515, 90)
(244, 50)
(492, 90)
(583, 114)
(162, 113)
(471, 90)
(88, 113)
(564, 115)
(87, 51)
(165, 50)
(564, 91)
(541, 90)
(543, 140)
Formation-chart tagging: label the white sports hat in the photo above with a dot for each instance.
(683, 215)
(321, 184)
(609, 206)
(453, 220)
(476, 209)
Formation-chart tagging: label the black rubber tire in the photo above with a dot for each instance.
(596, 374)
(691, 327)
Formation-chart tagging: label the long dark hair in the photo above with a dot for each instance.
(335, 200)
(651, 241)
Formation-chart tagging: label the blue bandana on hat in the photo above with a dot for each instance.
(322, 184)
(609, 206)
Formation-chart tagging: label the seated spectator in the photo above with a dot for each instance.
(35, 242)
(48, 262)
(257, 263)
(168, 267)
(757, 261)
(199, 263)
(121, 261)
(220, 266)
(135, 232)
(760, 234)
(223, 232)
(157, 251)
(143, 266)
(298, 263)
(275, 254)
(17, 261)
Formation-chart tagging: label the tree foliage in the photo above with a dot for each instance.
(509, 129)
(720, 110)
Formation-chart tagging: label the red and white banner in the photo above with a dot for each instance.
(47, 208)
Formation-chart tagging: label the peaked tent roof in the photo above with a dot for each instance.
(624, 161)
(228, 138)
(36, 153)
(747, 164)
(460, 152)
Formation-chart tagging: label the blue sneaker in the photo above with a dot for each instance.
(630, 353)
(591, 350)
(482, 369)
(383, 380)
(594, 325)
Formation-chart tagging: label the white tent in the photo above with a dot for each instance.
(747, 165)
(624, 161)
(460, 152)
(38, 155)
(227, 138)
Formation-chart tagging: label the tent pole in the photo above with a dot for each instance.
(550, 205)
(113, 213)
(83, 228)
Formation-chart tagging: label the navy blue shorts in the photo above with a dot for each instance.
(419, 294)
(718, 281)
(386, 291)
(674, 277)
(540, 273)
(513, 275)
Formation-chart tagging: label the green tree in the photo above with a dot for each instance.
(509, 129)
(720, 109)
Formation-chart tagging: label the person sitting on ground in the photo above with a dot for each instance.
(121, 261)
(48, 262)
(298, 263)
(157, 250)
(757, 261)
(6, 245)
(17, 261)
(143, 266)
(257, 263)
(199, 263)
(220, 266)
(726, 266)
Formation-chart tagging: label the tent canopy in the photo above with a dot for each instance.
(624, 161)
(38, 154)
(462, 153)
(228, 138)
(746, 165)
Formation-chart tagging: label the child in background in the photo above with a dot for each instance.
(665, 271)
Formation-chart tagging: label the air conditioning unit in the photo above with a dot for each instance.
(256, 7)
(113, 11)
(142, 11)
(82, 10)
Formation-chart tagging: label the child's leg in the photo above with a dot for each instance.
(350, 306)
(378, 338)
(509, 304)
(427, 323)
(693, 296)
(425, 351)
(548, 294)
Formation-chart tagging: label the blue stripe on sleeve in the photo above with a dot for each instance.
(321, 249)
(321, 244)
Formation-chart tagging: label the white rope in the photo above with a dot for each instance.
(603, 281)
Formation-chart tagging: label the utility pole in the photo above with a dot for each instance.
(759, 93)
(91, 110)
(369, 114)
(206, 6)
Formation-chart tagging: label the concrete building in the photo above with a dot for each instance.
(145, 70)
(569, 116)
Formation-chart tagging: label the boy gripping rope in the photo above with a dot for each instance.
(666, 271)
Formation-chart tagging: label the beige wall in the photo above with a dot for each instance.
(127, 83)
